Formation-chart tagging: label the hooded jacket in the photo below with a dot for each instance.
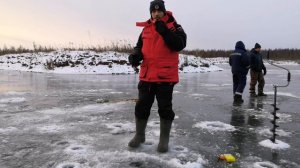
(160, 51)
(256, 61)
(239, 59)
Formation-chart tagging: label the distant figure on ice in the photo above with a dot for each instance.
(258, 70)
(239, 62)
(157, 47)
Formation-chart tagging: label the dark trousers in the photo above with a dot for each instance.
(257, 77)
(163, 93)
(239, 83)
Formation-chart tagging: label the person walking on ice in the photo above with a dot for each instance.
(239, 62)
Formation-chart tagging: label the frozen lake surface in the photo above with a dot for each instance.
(86, 121)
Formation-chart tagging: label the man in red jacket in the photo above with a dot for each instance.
(157, 47)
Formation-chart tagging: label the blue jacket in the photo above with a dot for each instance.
(239, 59)
(256, 61)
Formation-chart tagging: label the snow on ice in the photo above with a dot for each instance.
(213, 126)
(283, 94)
(12, 100)
(264, 164)
(278, 145)
(268, 133)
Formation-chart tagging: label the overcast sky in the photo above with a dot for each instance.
(209, 24)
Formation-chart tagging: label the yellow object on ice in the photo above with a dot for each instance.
(227, 157)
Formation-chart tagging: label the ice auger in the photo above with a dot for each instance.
(275, 86)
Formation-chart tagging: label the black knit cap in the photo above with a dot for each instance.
(157, 5)
(257, 46)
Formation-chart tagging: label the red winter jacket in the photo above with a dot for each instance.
(160, 59)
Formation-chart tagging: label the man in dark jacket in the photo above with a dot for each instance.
(258, 70)
(239, 62)
(157, 47)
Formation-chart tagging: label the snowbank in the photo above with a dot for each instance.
(90, 62)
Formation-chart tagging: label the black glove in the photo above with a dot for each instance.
(161, 27)
(135, 59)
(265, 70)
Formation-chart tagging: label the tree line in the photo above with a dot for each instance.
(274, 54)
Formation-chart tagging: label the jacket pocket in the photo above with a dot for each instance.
(143, 71)
(167, 72)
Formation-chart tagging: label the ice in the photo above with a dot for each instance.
(68, 128)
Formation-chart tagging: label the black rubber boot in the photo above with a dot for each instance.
(238, 99)
(253, 94)
(139, 134)
(165, 128)
(261, 94)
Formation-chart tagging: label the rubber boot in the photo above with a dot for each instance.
(253, 94)
(165, 128)
(139, 134)
(238, 99)
(261, 94)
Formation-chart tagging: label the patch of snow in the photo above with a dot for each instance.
(116, 92)
(264, 165)
(154, 123)
(120, 128)
(8, 130)
(50, 129)
(199, 95)
(90, 62)
(14, 93)
(218, 60)
(278, 145)
(197, 164)
(285, 62)
(74, 149)
(68, 165)
(213, 126)
(12, 100)
(2, 105)
(283, 94)
(283, 118)
(280, 132)
(54, 111)
(146, 160)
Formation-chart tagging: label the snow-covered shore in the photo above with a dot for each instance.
(90, 62)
